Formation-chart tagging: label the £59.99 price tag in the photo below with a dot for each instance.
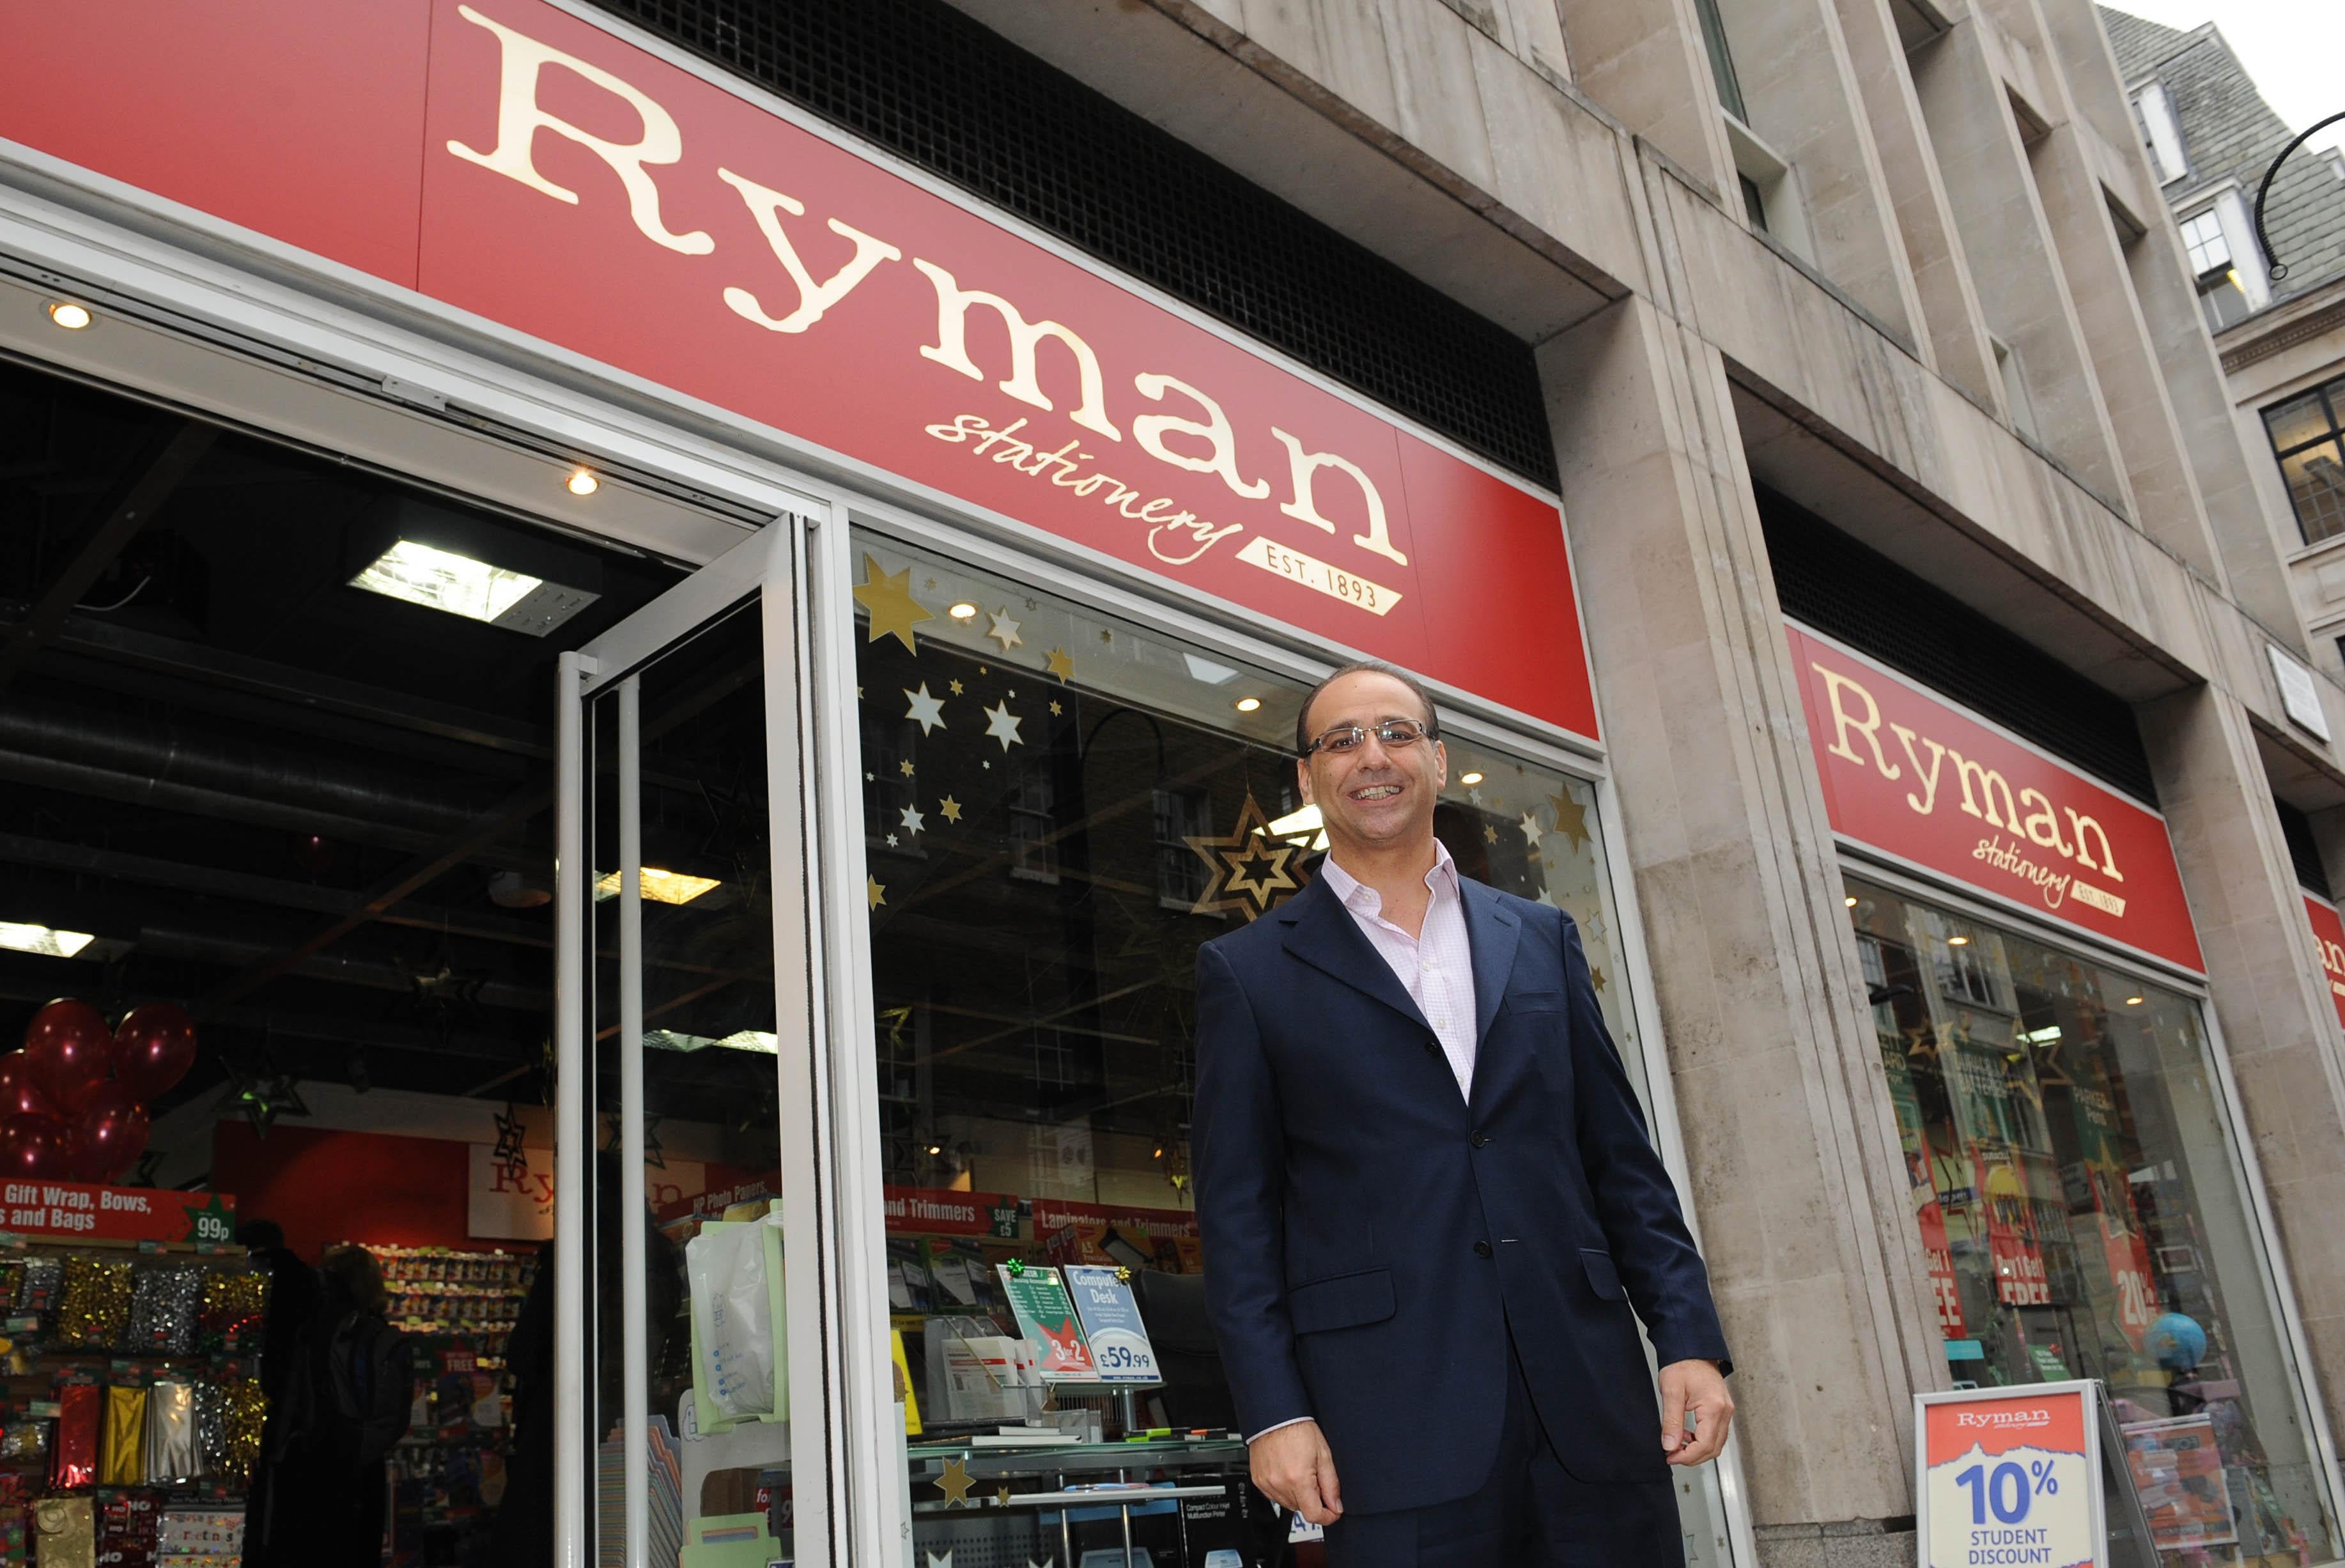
(1110, 1315)
(2010, 1477)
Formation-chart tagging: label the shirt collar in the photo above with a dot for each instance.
(1354, 894)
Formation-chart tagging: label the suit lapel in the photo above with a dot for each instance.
(1493, 932)
(1322, 933)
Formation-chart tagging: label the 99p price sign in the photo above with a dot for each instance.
(2011, 1477)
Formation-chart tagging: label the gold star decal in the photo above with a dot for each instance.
(1056, 711)
(905, 767)
(955, 1483)
(873, 892)
(1570, 816)
(1002, 1496)
(894, 613)
(1060, 663)
(1596, 974)
(1490, 833)
(950, 809)
(1107, 637)
(956, 688)
(1249, 867)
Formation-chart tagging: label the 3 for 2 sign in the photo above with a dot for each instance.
(2011, 1479)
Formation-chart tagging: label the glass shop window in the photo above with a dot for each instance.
(2081, 1209)
(1098, 799)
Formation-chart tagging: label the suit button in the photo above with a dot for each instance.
(1481, 1249)
(1479, 1139)
(1430, 1047)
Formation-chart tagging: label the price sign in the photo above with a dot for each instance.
(2011, 1478)
(1110, 1318)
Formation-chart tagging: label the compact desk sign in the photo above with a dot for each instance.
(1910, 775)
(2010, 1477)
(517, 162)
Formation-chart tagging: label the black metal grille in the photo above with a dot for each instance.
(2303, 851)
(1836, 585)
(942, 90)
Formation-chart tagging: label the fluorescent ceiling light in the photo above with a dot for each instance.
(41, 940)
(1205, 669)
(442, 580)
(2043, 1036)
(1297, 824)
(659, 886)
(739, 1040)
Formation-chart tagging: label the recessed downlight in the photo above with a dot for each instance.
(1958, 941)
(1849, 901)
(1469, 778)
(584, 482)
(1248, 704)
(2133, 1001)
(964, 610)
(71, 316)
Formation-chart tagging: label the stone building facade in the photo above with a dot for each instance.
(1902, 480)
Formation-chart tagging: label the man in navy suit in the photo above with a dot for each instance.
(1428, 1199)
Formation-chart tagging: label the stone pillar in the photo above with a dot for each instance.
(1797, 1186)
(2270, 997)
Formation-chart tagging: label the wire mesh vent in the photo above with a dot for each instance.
(1829, 581)
(2303, 851)
(944, 92)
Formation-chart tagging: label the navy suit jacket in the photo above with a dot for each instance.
(1370, 1233)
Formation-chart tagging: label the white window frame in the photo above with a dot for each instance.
(2155, 105)
(1780, 197)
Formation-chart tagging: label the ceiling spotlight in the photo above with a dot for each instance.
(1958, 941)
(1248, 704)
(1474, 778)
(2133, 1001)
(1849, 901)
(936, 1149)
(964, 610)
(582, 481)
(73, 317)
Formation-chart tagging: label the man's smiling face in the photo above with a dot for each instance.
(1373, 797)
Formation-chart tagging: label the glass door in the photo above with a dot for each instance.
(690, 1334)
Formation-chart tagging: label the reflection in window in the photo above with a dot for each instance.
(1099, 801)
(2078, 1201)
(2306, 439)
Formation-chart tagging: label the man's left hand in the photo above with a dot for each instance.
(1694, 1395)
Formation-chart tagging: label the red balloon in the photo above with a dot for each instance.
(70, 1051)
(19, 1095)
(153, 1047)
(109, 1138)
(34, 1147)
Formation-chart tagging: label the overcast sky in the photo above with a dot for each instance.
(2295, 49)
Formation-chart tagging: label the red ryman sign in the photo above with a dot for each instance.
(512, 160)
(2328, 941)
(1908, 774)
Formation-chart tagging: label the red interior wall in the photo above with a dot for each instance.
(329, 1187)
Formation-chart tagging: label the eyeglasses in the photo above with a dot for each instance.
(1393, 735)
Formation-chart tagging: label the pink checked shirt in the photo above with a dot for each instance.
(1437, 965)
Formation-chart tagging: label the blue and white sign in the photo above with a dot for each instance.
(1111, 1318)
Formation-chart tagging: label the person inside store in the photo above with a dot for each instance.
(1428, 1200)
(293, 1294)
(318, 1494)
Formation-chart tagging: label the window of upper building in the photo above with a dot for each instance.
(2307, 440)
(2161, 132)
(1722, 60)
(2222, 293)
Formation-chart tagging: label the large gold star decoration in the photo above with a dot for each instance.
(1570, 816)
(955, 1483)
(1060, 663)
(1250, 868)
(873, 892)
(894, 613)
(951, 808)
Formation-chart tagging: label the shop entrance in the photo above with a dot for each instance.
(688, 1329)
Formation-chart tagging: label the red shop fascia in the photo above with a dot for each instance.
(553, 182)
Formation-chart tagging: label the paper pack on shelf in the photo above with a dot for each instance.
(1046, 1316)
(730, 1541)
(740, 1338)
(960, 1386)
(1111, 1318)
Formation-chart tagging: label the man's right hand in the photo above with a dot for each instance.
(1294, 1470)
